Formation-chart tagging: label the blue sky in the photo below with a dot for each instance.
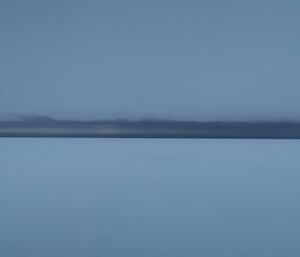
(200, 60)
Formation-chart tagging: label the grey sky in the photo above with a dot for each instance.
(204, 60)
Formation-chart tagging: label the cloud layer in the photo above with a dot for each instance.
(200, 60)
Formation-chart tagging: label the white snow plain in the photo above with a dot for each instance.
(149, 197)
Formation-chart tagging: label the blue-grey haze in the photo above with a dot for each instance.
(191, 59)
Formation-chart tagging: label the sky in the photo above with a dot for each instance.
(192, 60)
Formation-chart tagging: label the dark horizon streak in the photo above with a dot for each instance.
(148, 136)
(235, 130)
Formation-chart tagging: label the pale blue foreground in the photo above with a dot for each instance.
(152, 198)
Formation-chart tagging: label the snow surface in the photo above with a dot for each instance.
(134, 197)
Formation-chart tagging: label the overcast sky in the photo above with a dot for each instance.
(200, 60)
